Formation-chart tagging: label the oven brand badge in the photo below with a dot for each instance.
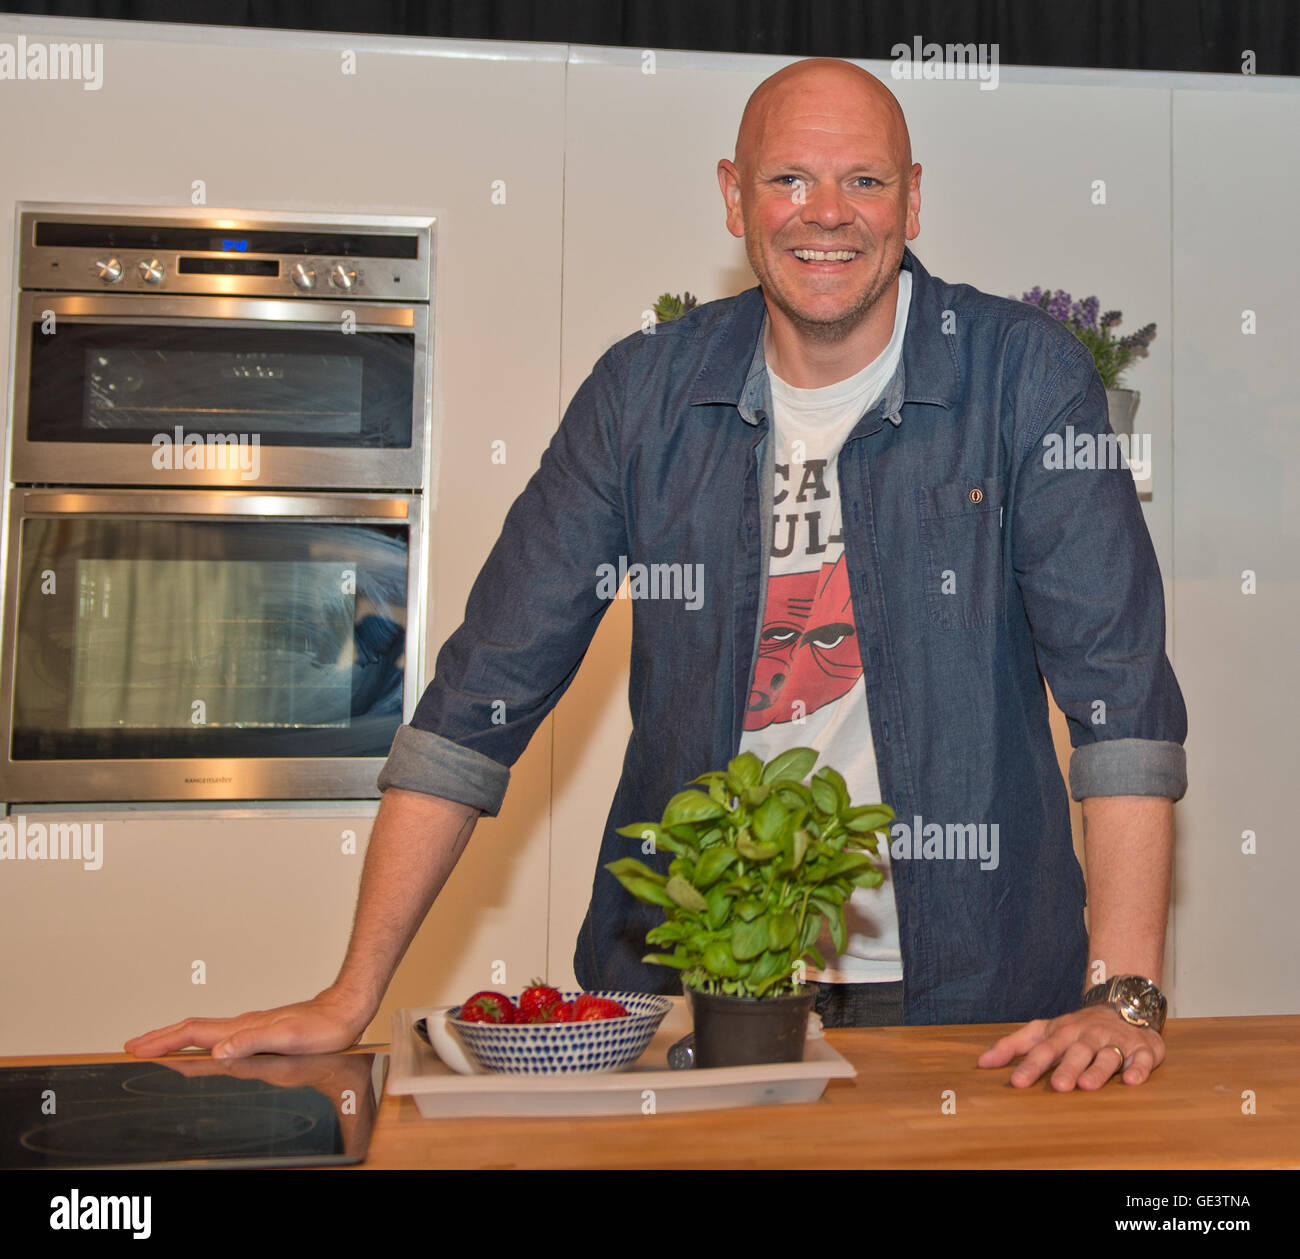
(37, 59)
(180, 451)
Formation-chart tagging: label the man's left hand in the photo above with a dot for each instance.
(1079, 1045)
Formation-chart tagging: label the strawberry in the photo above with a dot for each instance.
(560, 1012)
(489, 1007)
(537, 1002)
(587, 1007)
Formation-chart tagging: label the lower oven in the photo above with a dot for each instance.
(207, 645)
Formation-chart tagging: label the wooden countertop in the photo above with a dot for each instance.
(1188, 1115)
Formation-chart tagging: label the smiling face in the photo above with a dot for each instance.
(823, 163)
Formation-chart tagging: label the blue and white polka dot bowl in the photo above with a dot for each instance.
(565, 1048)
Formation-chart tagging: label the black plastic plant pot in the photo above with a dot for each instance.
(743, 1031)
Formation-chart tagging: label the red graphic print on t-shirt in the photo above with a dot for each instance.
(808, 652)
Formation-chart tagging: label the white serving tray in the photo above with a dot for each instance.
(441, 1092)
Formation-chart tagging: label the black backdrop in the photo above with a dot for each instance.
(1192, 35)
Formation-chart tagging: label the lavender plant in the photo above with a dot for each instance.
(1111, 354)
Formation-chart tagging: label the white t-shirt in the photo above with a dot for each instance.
(809, 689)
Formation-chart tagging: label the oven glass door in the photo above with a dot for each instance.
(142, 391)
(264, 633)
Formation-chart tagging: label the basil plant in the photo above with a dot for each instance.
(761, 858)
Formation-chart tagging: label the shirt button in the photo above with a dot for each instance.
(977, 495)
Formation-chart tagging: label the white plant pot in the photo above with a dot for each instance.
(1122, 404)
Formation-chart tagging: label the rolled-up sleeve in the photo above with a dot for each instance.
(420, 760)
(1092, 591)
(530, 616)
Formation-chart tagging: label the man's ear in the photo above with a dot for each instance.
(729, 182)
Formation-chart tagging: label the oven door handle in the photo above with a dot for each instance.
(212, 504)
(224, 312)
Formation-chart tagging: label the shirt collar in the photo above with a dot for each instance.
(735, 368)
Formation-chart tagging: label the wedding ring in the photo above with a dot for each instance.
(1119, 1051)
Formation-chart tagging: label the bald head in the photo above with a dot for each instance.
(827, 89)
(823, 166)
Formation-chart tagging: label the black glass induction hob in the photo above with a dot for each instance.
(191, 1112)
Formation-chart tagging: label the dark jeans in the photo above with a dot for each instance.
(860, 1005)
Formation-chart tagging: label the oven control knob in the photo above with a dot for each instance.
(304, 277)
(109, 270)
(152, 272)
(342, 276)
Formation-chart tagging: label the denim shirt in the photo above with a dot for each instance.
(978, 566)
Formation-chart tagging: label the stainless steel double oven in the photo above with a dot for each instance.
(219, 458)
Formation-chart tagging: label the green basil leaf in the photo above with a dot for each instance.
(712, 865)
(719, 907)
(683, 894)
(630, 865)
(755, 852)
(775, 982)
(782, 927)
(826, 908)
(869, 878)
(838, 934)
(793, 765)
(636, 830)
(814, 955)
(748, 910)
(767, 966)
(870, 817)
(713, 776)
(719, 960)
(837, 784)
(668, 959)
(768, 819)
(799, 842)
(746, 769)
(668, 933)
(749, 939)
(848, 861)
(823, 795)
(794, 796)
(691, 806)
(812, 928)
(645, 890)
(654, 832)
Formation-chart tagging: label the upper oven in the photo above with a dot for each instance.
(177, 350)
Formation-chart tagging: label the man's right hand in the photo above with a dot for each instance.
(325, 1024)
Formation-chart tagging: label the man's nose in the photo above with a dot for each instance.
(826, 205)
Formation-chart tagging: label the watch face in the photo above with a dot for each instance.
(1139, 999)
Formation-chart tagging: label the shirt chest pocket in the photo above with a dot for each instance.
(961, 534)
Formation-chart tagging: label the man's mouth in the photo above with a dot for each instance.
(825, 257)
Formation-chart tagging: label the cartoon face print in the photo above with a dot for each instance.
(808, 652)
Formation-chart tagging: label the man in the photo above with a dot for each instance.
(931, 560)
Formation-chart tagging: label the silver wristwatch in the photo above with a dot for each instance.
(1134, 998)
